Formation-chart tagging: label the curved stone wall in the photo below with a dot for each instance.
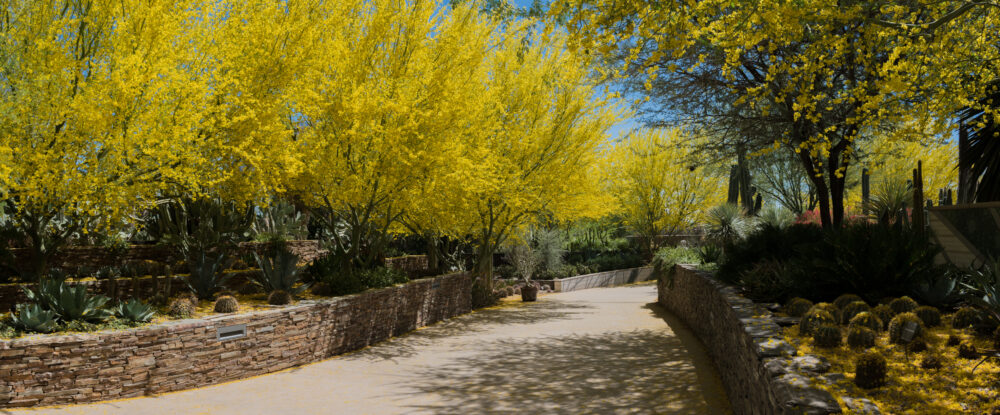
(760, 370)
(80, 368)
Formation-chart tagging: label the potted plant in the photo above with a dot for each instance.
(525, 261)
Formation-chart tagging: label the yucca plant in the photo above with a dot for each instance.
(33, 318)
(69, 302)
(984, 284)
(889, 202)
(983, 155)
(279, 272)
(729, 223)
(135, 311)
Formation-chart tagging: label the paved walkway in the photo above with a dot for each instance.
(598, 351)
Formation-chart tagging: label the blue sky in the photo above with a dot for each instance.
(617, 130)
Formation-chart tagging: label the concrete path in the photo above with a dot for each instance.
(598, 351)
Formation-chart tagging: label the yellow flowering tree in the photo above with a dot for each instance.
(659, 188)
(811, 76)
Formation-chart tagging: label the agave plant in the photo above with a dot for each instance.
(135, 311)
(69, 302)
(279, 272)
(984, 283)
(33, 318)
(206, 276)
(279, 221)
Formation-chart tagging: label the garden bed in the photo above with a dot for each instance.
(183, 354)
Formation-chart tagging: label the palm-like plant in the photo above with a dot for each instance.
(728, 223)
(983, 156)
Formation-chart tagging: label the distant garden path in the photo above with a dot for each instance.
(598, 351)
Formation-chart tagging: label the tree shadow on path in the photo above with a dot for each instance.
(638, 371)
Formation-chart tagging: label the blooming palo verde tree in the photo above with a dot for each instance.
(813, 76)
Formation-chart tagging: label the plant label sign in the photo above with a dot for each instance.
(909, 330)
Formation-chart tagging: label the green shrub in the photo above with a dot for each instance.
(903, 304)
(227, 304)
(813, 319)
(898, 323)
(767, 281)
(135, 311)
(767, 243)
(796, 307)
(382, 277)
(930, 315)
(870, 370)
(853, 309)
(827, 336)
(860, 337)
(868, 321)
(884, 314)
(33, 318)
(966, 317)
(845, 299)
(482, 294)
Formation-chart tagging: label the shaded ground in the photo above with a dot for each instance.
(599, 351)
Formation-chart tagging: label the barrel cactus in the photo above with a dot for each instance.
(870, 370)
(903, 304)
(853, 309)
(796, 307)
(884, 314)
(279, 297)
(966, 317)
(930, 315)
(860, 337)
(829, 308)
(827, 335)
(917, 346)
(899, 323)
(226, 304)
(867, 320)
(967, 350)
(844, 300)
(181, 308)
(813, 319)
(953, 340)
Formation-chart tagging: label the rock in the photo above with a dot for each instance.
(832, 378)
(811, 363)
(797, 392)
(786, 321)
(774, 347)
(861, 406)
(778, 366)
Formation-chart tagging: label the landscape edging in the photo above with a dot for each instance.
(602, 279)
(184, 354)
(761, 372)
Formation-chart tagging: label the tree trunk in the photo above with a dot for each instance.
(822, 190)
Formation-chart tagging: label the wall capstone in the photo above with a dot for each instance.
(762, 373)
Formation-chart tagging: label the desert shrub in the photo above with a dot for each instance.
(767, 281)
(767, 243)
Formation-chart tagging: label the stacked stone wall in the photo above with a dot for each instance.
(90, 367)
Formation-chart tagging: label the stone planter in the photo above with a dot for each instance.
(529, 293)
